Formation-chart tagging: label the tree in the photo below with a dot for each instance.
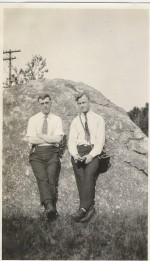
(140, 117)
(35, 70)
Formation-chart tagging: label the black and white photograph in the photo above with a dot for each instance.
(75, 112)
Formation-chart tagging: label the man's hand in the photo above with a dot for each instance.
(77, 158)
(88, 158)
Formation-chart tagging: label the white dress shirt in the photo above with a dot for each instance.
(96, 126)
(36, 122)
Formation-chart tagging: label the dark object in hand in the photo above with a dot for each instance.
(82, 159)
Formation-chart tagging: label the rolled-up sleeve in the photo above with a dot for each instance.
(72, 143)
(99, 139)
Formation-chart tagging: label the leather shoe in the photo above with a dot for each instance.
(88, 215)
(80, 213)
(50, 211)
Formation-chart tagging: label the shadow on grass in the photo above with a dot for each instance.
(103, 238)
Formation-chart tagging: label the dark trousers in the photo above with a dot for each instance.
(86, 176)
(46, 167)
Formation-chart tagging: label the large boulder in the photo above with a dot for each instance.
(122, 188)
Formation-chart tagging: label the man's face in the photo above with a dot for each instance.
(83, 104)
(45, 105)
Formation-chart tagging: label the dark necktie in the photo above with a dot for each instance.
(87, 132)
(45, 125)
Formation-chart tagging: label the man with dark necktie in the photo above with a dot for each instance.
(86, 141)
(44, 133)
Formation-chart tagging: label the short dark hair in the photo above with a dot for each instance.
(78, 95)
(43, 96)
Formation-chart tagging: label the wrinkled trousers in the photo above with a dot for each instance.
(86, 176)
(45, 163)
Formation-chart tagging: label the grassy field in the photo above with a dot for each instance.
(106, 237)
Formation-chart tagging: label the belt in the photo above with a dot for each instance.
(51, 145)
(43, 146)
(85, 145)
(48, 145)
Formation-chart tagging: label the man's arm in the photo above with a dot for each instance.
(40, 138)
(100, 138)
(58, 133)
(36, 140)
(72, 143)
(31, 133)
(49, 139)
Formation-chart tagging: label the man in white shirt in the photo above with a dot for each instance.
(44, 133)
(86, 141)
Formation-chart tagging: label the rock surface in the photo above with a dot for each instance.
(122, 188)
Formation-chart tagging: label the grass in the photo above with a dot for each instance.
(103, 238)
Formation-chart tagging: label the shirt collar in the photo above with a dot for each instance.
(49, 115)
(86, 113)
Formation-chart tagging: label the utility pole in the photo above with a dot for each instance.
(9, 59)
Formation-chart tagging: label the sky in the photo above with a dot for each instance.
(106, 48)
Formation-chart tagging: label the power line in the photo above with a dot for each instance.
(10, 61)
